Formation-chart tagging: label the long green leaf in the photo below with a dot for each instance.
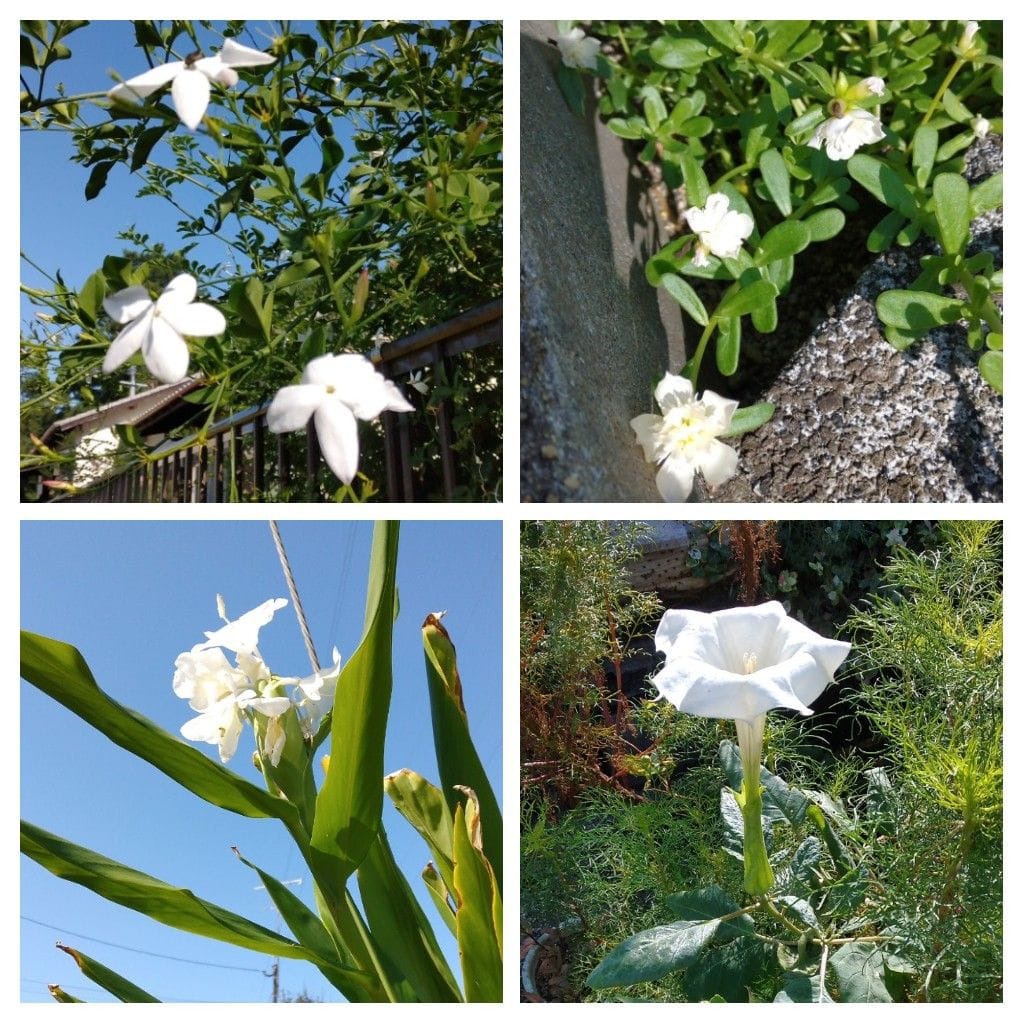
(178, 908)
(457, 759)
(422, 805)
(401, 930)
(348, 806)
(61, 996)
(60, 671)
(122, 988)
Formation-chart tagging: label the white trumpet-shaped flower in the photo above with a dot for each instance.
(190, 79)
(335, 391)
(158, 327)
(720, 231)
(684, 438)
(843, 135)
(578, 50)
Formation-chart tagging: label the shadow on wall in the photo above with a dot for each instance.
(592, 338)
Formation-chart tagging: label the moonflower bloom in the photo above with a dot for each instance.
(720, 231)
(739, 664)
(158, 328)
(578, 50)
(190, 79)
(845, 134)
(684, 438)
(336, 391)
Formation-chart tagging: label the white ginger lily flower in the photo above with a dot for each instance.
(158, 328)
(190, 79)
(842, 136)
(578, 50)
(684, 438)
(318, 693)
(739, 664)
(336, 391)
(243, 634)
(720, 231)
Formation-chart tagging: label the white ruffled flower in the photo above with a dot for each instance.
(190, 79)
(842, 136)
(684, 438)
(336, 391)
(720, 231)
(981, 127)
(578, 50)
(158, 328)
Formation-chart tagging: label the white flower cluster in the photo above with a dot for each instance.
(225, 696)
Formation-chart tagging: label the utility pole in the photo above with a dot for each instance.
(275, 976)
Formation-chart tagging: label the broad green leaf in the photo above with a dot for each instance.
(883, 233)
(821, 77)
(926, 143)
(144, 146)
(952, 211)
(261, 310)
(987, 195)
(441, 895)
(766, 318)
(782, 38)
(785, 239)
(178, 908)
(779, 802)
(749, 418)
(797, 909)
(349, 803)
(125, 990)
(60, 671)
(776, 179)
(296, 272)
(727, 345)
(651, 954)
(626, 129)
(457, 761)
(802, 988)
(825, 224)
(883, 183)
(400, 929)
(729, 971)
(478, 917)
(710, 904)
(678, 54)
(804, 866)
(92, 294)
(990, 365)
(686, 297)
(955, 109)
(859, 970)
(745, 300)
(916, 311)
(697, 188)
(724, 32)
(98, 178)
(422, 805)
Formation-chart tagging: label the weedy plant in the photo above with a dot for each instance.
(381, 948)
(757, 127)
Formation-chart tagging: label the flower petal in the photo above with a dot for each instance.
(236, 55)
(197, 319)
(672, 391)
(181, 289)
(127, 304)
(675, 478)
(646, 428)
(141, 86)
(717, 462)
(128, 342)
(191, 95)
(242, 635)
(292, 406)
(339, 439)
(165, 352)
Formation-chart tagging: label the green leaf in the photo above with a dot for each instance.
(821, 77)
(782, 38)
(917, 311)
(776, 179)
(825, 224)
(458, 763)
(296, 272)
(423, 806)
(745, 300)
(570, 81)
(725, 33)
(440, 894)
(178, 908)
(802, 988)
(727, 345)
(478, 919)
(952, 211)
(797, 909)
(348, 806)
(859, 970)
(60, 672)
(766, 318)
(709, 904)
(91, 295)
(686, 297)
(956, 110)
(98, 178)
(122, 988)
(883, 183)
(651, 954)
(678, 54)
(779, 802)
(804, 866)
(926, 143)
(785, 239)
(697, 187)
(749, 418)
(260, 311)
(626, 129)
(990, 366)
(144, 146)
(883, 233)
(728, 971)
(987, 195)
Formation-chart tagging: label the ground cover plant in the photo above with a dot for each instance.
(880, 874)
(335, 186)
(761, 139)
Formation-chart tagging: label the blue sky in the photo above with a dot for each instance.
(132, 596)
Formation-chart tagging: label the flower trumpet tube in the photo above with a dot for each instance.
(739, 664)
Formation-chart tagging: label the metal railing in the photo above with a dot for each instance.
(238, 459)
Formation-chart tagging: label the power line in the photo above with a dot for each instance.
(144, 952)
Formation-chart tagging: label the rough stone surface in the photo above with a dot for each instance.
(592, 339)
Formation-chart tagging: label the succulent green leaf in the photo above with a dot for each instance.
(686, 297)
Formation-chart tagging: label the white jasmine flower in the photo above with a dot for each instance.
(578, 50)
(336, 391)
(190, 79)
(416, 381)
(845, 134)
(684, 438)
(158, 327)
(720, 231)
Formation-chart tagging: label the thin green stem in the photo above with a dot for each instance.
(692, 369)
(946, 83)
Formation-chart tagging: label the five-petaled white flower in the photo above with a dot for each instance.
(720, 231)
(684, 438)
(843, 135)
(190, 79)
(158, 327)
(336, 391)
(578, 50)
